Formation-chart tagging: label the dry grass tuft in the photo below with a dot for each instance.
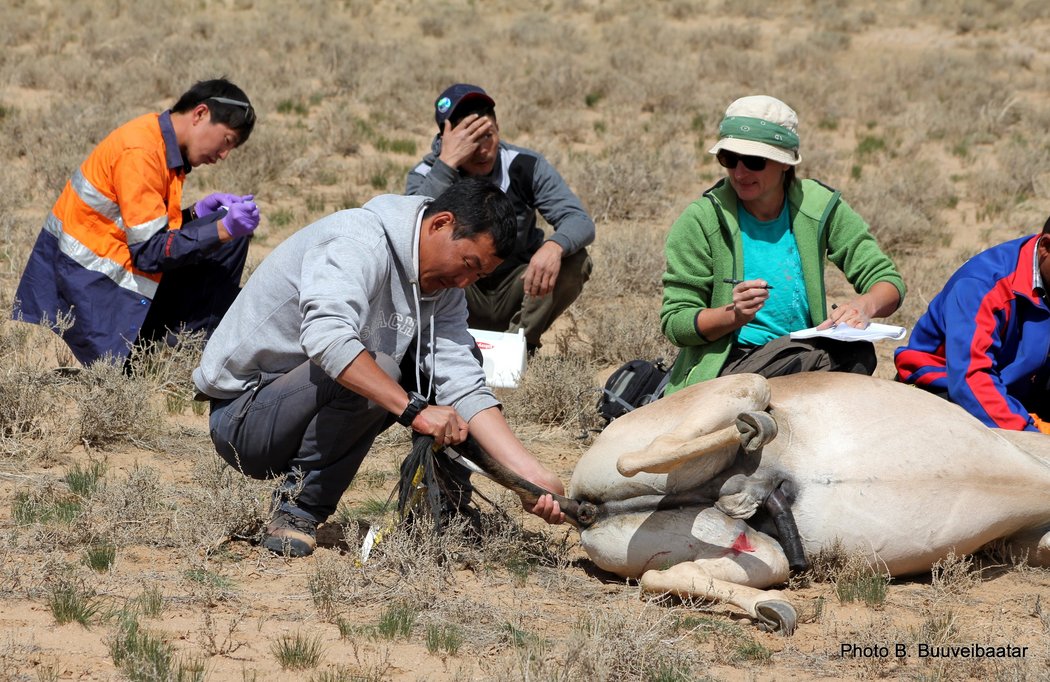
(616, 331)
(857, 579)
(33, 422)
(223, 505)
(630, 183)
(612, 645)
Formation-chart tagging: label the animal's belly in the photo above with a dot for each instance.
(900, 528)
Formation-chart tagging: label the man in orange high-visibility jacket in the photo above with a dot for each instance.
(119, 261)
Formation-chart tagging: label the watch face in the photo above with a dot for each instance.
(416, 404)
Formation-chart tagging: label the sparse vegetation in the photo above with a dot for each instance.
(150, 602)
(84, 481)
(99, 558)
(856, 580)
(445, 639)
(70, 602)
(397, 621)
(117, 501)
(298, 651)
(143, 656)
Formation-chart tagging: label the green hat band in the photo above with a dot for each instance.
(758, 130)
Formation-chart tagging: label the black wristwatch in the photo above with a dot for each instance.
(416, 404)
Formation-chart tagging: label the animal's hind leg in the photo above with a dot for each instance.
(712, 426)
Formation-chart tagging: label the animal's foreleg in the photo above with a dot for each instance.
(691, 579)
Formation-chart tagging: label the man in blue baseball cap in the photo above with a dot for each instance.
(545, 274)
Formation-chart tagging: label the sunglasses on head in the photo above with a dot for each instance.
(249, 113)
(729, 160)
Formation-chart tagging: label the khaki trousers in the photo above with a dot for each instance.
(506, 308)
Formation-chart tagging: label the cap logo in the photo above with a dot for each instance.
(443, 105)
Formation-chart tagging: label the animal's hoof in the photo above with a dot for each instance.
(756, 429)
(776, 616)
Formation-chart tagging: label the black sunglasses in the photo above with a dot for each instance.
(729, 160)
(249, 112)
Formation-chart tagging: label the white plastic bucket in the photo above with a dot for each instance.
(504, 356)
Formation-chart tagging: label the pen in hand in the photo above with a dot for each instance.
(734, 282)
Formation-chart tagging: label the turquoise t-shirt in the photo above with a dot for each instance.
(770, 253)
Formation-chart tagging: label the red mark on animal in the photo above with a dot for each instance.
(741, 544)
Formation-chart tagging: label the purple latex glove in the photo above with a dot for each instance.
(241, 219)
(213, 202)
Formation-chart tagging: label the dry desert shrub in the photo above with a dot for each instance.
(953, 576)
(616, 331)
(220, 506)
(903, 206)
(411, 563)
(168, 368)
(858, 577)
(628, 259)
(33, 421)
(630, 183)
(33, 397)
(608, 645)
(1020, 163)
(114, 409)
(54, 152)
(556, 389)
(253, 168)
(138, 509)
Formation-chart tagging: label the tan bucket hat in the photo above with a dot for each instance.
(760, 125)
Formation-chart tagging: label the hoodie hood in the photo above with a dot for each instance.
(404, 244)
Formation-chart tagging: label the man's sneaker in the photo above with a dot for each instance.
(290, 535)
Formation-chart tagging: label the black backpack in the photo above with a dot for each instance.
(637, 383)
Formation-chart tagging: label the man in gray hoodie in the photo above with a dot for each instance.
(303, 371)
(541, 278)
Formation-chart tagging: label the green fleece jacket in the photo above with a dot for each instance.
(704, 247)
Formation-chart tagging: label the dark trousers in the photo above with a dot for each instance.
(786, 356)
(195, 297)
(305, 428)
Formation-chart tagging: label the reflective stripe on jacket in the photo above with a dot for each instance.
(126, 191)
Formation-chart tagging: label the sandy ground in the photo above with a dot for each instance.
(261, 597)
(555, 617)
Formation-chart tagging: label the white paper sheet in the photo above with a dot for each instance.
(843, 332)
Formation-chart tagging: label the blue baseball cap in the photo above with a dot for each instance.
(454, 95)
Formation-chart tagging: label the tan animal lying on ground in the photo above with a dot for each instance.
(885, 469)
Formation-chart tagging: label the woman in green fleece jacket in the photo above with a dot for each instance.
(745, 261)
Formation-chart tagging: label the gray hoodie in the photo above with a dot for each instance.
(345, 284)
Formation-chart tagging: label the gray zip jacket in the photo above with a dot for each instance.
(532, 185)
(346, 284)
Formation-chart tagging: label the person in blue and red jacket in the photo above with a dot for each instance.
(984, 340)
(119, 261)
